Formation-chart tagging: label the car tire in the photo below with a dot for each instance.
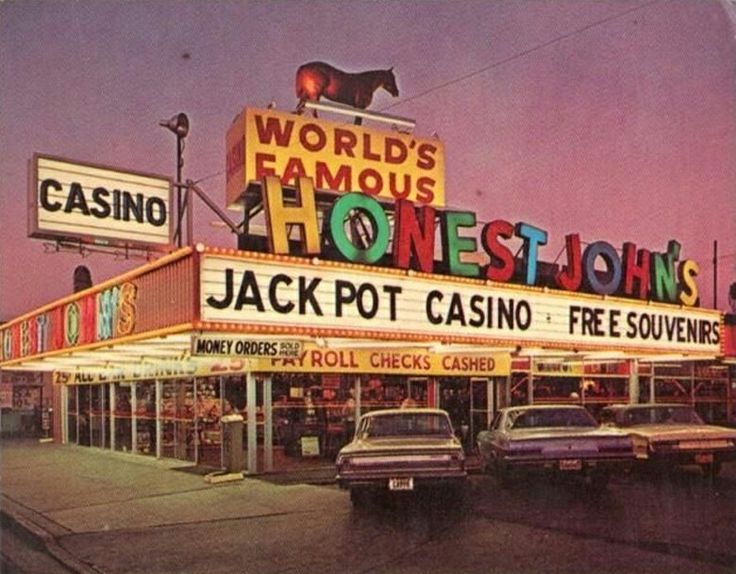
(358, 497)
(485, 468)
(598, 480)
(502, 475)
(457, 493)
(711, 470)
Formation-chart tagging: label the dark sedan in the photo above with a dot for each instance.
(554, 439)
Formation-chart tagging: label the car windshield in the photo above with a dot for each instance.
(534, 418)
(661, 415)
(407, 424)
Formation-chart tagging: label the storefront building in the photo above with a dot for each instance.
(376, 302)
(149, 362)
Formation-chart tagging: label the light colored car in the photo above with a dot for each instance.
(555, 439)
(401, 450)
(674, 435)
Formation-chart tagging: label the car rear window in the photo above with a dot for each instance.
(661, 415)
(534, 418)
(407, 425)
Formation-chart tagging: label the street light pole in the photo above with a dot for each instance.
(179, 125)
(179, 204)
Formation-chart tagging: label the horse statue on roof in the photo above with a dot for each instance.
(317, 79)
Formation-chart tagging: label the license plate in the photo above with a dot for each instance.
(571, 464)
(401, 483)
(704, 458)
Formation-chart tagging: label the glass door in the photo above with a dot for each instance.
(98, 413)
(455, 399)
(178, 438)
(71, 414)
(83, 415)
(145, 428)
(123, 416)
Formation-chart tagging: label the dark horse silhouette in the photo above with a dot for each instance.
(317, 79)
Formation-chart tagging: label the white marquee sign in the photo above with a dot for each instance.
(256, 292)
(94, 204)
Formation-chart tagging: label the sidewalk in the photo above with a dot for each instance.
(49, 491)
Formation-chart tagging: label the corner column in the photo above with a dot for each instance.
(251, 427)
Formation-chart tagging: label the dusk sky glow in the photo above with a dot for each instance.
(611, 118)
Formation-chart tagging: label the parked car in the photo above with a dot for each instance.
(674, 435)
(401, 450)
(554, 439)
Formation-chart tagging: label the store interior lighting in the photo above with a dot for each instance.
(449, 349)
(674, 358)
(540, 352)
(370, 344)
(597, 355)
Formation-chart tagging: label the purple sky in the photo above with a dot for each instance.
(623, 131)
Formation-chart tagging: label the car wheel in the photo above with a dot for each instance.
(485, 468)
(711, 470)
(598, 480)
(502, 475)
(358, 496)
(457, 493)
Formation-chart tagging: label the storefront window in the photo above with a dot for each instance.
(145, 411)
(123, 417)
(313, 416)
(83, 415)
(519, 389)
(177, 415)
(481, 406)
(209, 409)
(98, 413)
(554, 381)
(374, 395)
(711, 392)
(702, 385)
(71, 411)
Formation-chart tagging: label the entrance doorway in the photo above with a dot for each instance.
(471, 404)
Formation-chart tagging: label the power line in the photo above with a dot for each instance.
(522, 54)
(206, 177)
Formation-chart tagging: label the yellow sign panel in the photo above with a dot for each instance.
(338, 157)
(313, 359)
(417, 362)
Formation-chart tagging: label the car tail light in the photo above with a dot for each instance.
(664, 445)
(459, 458)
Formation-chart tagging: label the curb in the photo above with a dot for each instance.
(42, 538)
(220, 477)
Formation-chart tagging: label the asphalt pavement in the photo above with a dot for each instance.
(93, 511)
